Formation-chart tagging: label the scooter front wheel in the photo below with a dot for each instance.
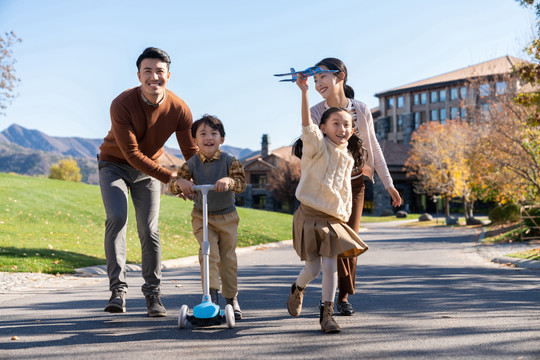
(182, 317)
(229, 316)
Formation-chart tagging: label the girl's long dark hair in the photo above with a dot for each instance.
(336, 64)
(355, 146)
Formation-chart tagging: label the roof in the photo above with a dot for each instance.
(394, 153)
(168, 160)
(284, 152)
(502, 65)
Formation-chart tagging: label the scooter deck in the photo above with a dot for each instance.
(198, 322)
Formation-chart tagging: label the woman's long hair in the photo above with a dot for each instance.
(336, 64)
(355, 144)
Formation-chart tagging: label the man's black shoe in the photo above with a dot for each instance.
(117, 302)
(154, 306)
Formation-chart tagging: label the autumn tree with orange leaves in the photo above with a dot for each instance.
(507, 151)
(439, 159)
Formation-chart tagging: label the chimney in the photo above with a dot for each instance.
(265, 146)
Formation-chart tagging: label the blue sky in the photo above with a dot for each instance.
(77, 56)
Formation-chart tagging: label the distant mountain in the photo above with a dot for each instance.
(34, 139)
(78, 147)
(238, 153)
(20, 160)
(32, 152)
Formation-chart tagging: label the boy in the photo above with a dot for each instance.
(213, 166)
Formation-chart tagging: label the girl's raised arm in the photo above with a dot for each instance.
(302, 83)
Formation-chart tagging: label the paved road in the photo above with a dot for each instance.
(423, 293)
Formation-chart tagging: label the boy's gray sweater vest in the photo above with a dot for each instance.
(209, 173)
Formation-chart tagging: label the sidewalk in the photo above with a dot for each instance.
(496, 253)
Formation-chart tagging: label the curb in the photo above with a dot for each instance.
(515, 262)
(176, 263)
(506, 260)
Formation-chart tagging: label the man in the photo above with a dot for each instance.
(142, 119)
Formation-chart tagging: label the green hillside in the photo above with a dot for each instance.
(55, 226)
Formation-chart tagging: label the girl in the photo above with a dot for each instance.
(324, 192)
(336, 93)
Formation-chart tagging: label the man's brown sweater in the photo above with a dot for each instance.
(139, 131)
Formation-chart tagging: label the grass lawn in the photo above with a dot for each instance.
(54, 226)
(511, 233)
(533, 254)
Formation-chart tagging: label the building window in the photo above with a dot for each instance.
(416, 99)
(454, 113)
(500, 87)
(400, 123)
(419, 119)
(390, 103)
(443, 116)
(463, 113)
(453, 94)
(483, 90)
(434, 115)
(433, 97)
(442, 95)
(400, 101)
(423, 98)
(463, 92)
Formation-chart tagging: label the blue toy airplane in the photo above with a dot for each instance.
(308, 72)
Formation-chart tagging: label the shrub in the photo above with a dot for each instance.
(66, 169)
(510, 212)
(495, 214)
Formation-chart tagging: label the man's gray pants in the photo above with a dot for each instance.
(116, 182)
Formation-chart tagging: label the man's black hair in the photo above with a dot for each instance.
(153, 53)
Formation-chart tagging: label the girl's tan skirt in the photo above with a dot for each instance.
(318, 234)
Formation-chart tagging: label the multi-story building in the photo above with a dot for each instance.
(440, 98)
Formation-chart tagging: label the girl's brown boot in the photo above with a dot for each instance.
(328, 324)
(294, 303)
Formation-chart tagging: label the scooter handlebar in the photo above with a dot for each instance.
(204, 187)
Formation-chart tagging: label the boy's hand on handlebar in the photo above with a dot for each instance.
(223, 184)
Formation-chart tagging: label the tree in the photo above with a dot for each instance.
(8, 80)
(507, 149)
(529, 72)
(283, 181)
(439, 159)
(66, 169)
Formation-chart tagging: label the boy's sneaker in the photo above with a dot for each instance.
(117, 302)
(236, 307)
(214, 296)
(154, 306)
